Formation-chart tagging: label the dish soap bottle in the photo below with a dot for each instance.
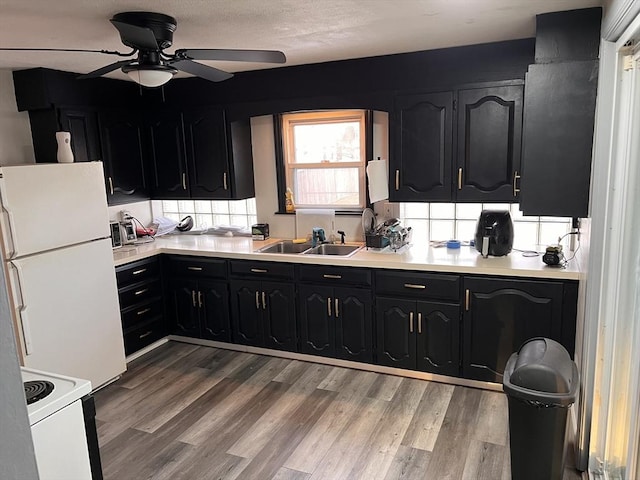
(288, 202)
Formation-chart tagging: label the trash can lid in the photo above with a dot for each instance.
(542, 371)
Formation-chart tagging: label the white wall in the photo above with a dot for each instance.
(16, 146)
(264, 165)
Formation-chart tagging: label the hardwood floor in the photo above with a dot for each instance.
(190, 412)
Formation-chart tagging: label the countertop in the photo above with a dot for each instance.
(422, 257)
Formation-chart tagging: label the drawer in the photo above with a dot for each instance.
(137, 272)
(263, 269)
(419, 285)
(139, 292)
(195, 267)
(141, 313)
(334, 275)
(143, 336)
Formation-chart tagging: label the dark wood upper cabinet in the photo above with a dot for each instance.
(421, 142)
(489, 139)
(123, 149)
(85, 136)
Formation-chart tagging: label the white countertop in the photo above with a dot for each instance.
(413, 257)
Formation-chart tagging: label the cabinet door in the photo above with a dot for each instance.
(208, 162)
(396, 340)
(183, 308)
(503, 314)
(214, 310)
(168, 176)
(246, 312)
(489, 139)
(438, 347)
(317, 325)
(560, 102)
(124, 157)
(420, 164)
(85, 137)
(279, 316)
(353, 324)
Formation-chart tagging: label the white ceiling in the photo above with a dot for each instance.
(307, 31)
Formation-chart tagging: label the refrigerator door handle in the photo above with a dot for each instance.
(7, 220)
(21, 306)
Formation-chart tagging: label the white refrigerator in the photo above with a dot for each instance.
(61, 278)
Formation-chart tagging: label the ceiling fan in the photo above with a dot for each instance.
(149, 34)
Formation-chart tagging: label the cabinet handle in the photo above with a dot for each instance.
(224, 180)
(195, 269)
(193, 297)
(140, 292)
(411, 322)
(328, 275)
(264, 301)
(184, 181)
(110, 186)
(142, 312)
(257, 300)
(199, 299)
(467, 299)
(259, 270)
(146, 334)
(420, 323)
(516, 177)
(337, 311)
(397, 180)
(415, 285)
(460, 178)
(138, 272)
(329, 306)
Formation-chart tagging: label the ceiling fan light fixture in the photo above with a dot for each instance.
(150, 75)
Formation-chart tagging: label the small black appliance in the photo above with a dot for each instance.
(494, 233)
(553, 256)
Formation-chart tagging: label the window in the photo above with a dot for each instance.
(324, 158)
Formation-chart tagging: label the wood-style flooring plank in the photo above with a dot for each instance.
(288, 474)
(492, 425)
(485, 461)
(384, 387)
(408, 464)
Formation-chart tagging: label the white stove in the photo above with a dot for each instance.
(62, 418)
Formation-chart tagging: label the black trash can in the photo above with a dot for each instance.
(541, 382)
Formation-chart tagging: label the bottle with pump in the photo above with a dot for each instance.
(289, 205)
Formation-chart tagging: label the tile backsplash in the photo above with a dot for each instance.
(444, 221)
(207, 213)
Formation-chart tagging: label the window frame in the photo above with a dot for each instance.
(282, 168)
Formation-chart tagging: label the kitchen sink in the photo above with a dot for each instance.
(285, 246)
(334, 249)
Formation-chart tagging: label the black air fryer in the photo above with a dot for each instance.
(494, 233)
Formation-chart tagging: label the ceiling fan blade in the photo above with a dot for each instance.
(134, 36)
(266, 56)
(202, 71)
(109, 52)
(101, 71)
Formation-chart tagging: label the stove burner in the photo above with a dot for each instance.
(37, 390)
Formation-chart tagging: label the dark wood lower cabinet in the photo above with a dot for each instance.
(336, 322)
(418, 335)
(263, 314)
(502, 314)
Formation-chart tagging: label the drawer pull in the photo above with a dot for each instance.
(200, 299)
(193, 298)
(337, 311)
(420, 323)
(327, 275)
(467, 299)
(146, 334)
(264, 301)
(411, 322)
(138, 272)
(329, 306)
(195, 269)
(140, 292)
(142, 312)
(415, 286)
(257, 300)
(259, 270)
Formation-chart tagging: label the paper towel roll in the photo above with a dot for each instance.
(378, 175)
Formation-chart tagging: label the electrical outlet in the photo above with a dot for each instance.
(125, 215)
(390, 210)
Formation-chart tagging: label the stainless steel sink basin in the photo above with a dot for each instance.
(285, 246)
(333, 249)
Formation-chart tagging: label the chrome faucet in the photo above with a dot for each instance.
(317, 236)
